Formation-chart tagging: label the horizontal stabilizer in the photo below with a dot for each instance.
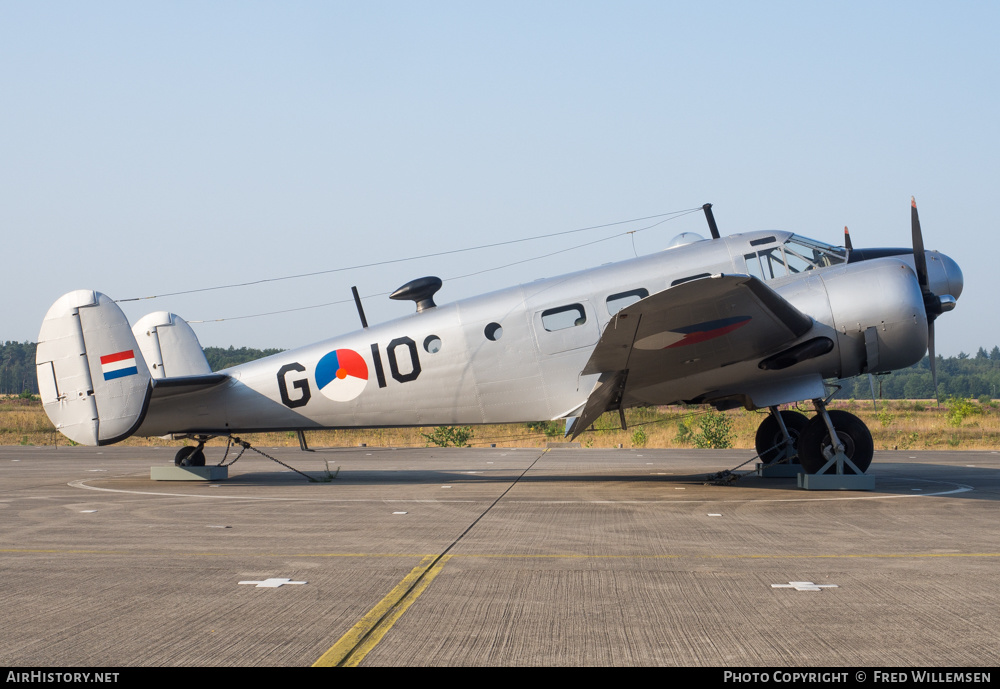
(94, 382)
(168, 387)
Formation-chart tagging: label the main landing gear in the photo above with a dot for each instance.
(790, 436)
(819, 454)
(778, 435)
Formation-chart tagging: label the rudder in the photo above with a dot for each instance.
(94, 383)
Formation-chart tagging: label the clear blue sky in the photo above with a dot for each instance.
(154, 147)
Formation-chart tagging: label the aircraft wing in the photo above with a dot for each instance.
(693, 328)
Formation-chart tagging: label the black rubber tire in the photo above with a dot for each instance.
(769, 435)
(854, 434)
(189, 456)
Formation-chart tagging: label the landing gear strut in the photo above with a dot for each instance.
(790, 436)
(833, 449)
(850, 453)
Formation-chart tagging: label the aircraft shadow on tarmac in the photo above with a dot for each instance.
(891, 478)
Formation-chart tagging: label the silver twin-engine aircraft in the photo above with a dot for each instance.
(756, 320)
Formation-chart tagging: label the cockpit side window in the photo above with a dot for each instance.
(806, 254)
(767, 264)
(797, 255)
(797, 262)
(754, 267)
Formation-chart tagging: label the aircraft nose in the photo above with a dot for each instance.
(944, 275)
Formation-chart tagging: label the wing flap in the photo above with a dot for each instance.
(607, 394)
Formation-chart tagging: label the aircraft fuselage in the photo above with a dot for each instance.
(517, 354)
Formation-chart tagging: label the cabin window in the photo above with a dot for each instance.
(617, 302)
(432, 345)
(493, 332)
(563, 317)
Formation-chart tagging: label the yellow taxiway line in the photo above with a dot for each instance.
(353, 646)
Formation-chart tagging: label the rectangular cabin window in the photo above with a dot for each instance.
(564, 328)
(563, 317)
(617, 302)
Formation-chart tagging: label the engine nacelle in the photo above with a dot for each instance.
(883, 331)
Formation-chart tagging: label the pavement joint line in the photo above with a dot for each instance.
(353, 646)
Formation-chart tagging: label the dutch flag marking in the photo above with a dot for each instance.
(119, 365)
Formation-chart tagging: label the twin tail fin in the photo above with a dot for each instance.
(97, 375)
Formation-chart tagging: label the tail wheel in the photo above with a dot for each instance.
(189, 456)
(854, 436)
(769, 441)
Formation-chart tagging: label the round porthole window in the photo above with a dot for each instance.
(432, 344)
(494, 331)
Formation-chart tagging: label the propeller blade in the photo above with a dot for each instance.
(847, 239)
(919, 258)
(934, 305)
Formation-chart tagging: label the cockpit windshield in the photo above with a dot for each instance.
(796, 255)
(809, 253)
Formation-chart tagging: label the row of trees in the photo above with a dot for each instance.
(17, 364)
(220, 358)
(17, 368)
(959, 376)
